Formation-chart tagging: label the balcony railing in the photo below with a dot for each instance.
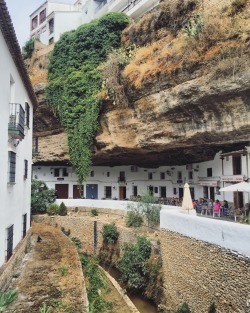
(121, 180)
(16, 121)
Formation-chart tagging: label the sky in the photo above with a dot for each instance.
(20, 12)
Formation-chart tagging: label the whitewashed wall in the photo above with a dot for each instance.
(228, 235)
(15, 199)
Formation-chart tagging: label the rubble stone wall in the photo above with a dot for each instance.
(200, 273)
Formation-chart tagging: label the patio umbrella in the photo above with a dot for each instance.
(242, 187)
(187, 203)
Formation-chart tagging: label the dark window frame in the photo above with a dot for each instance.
(209, 172)
(162, 175)
(9, 241)
(12, 167)
(56, 172)
(25, 169)
(27, 115)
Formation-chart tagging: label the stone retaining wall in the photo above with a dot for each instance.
(200, 273)
(83, 228)
(11, 268)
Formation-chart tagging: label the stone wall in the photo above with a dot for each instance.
(83, 228)
(11, 268)
(200, 273)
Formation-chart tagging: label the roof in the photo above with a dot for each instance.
(9, 35)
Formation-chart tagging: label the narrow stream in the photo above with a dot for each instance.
(142, 304)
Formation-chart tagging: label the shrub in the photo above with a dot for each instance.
(77, 242)
(6, 298)
(134, 218)
(66, 232)
(110, 233)
(52, 209)
(63, 271)
(94, 212)
(183, 308)
(41, 196)
(212, 308)
(134, 263)
(62, 209)
(29, 48)
(45, 309)
(194, 27)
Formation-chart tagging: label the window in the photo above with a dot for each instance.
(155, 189)
(237, 165)
(150, 175)
(174, 191)
(35, 145)
(205, 192)
(162, 175)
(190, 175)
(108, 174)
(179, 175)
(92, 174)
(42, 16)
(163, 192)
(209, 172)
(51, 26)
(27, 115)
(122, 178)
(10, 231)
(56, 172)
(135, 191)
(34, 22)
(65, 172)
(107, 192)
(25, 169)
(24, 224)
(12, 167)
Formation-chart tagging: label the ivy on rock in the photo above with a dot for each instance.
(74, 81)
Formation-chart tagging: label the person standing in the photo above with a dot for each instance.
(217, 208)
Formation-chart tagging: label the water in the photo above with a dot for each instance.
(142, 304)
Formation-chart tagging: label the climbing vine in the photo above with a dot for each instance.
(74, 82)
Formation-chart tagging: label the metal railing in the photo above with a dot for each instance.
(17, 119)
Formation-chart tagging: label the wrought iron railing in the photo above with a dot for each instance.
(16, 120)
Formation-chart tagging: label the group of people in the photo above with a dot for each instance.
(211, 207)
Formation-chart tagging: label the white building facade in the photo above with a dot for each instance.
(16, 101)
(52, 19)
(166, 182)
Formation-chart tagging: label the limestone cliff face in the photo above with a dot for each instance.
(197, 104)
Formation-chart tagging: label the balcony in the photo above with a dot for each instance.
(121, 180)
(16, 121)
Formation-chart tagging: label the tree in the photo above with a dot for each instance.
(41, 196)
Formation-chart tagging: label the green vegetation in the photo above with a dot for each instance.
(183, 308)
(110, 233)
(94, 212)
(6, 298)
(45, 309)
(63, 271)
(134, 263)
(52, 209)
(29, 48)
(66, 232)
(146, 208)
(41, 196)
(134, 217)
(212, 308)
(74, 82)
(97, 286)
(62, 209)
(77, 243)
(194, 27)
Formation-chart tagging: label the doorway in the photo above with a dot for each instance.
(238, 200)
(212, 194)
(192, 193)
(78, 192)
(122, 192)
(163, 192)
(180, 193)
(62, 191)
(92, 191)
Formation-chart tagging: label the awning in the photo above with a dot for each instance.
(238, 152)
(233, 178)
(211, 183)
